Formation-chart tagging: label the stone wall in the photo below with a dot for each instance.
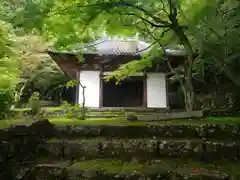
(189, 131)
(141, 149)
(199, 142)
(19, 144)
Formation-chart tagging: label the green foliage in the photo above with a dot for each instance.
(35, 104)
(6, 101)
(211, 27)
(72, 83)
(8, 61)
(214, 35)
(75, 111)
(26, 16)
(37, 70)
(84, 21)
(133, 67)
(160, 22)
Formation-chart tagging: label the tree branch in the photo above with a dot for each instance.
(91, 19)
(148, 21)
(109, 5)
(148, 47)
(168, 63)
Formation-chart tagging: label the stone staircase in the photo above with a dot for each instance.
(153, 152)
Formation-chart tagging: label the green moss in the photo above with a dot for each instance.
(48, 109)
(226, 166)
(226, 119)
(164, 165)
(208, 120)
(97, 121)
(122, 121)
(109, 165)
(8, 123)
(104, 113)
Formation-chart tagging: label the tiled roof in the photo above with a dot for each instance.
(116, 47)
(119, 47)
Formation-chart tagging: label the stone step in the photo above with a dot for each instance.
(104, 169)
(208, 131)
(142, 149)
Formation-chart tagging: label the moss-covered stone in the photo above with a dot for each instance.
(181, 148)
(217, 131)
(82, 149)
(47, 171)
(130, 131)
(114, 169)
(109, 165)
(222, 131)
(220, 150)
(142, 149)
(129, 148)
(199, 174)
(21, 143)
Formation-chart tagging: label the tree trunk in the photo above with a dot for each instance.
(189, 90)
(18, 95)
(189, 94)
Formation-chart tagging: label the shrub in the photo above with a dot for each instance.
(74, 111)
(34, 104)
(6, 101)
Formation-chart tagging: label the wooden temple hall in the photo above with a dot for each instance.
(147, 89)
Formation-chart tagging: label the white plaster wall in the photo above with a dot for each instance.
(91, 80)
(156, 90)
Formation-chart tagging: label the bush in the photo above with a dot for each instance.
(6, 101)
(74, 111)
(35, 104)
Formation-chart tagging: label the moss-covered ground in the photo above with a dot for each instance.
(61, 120)
(118, 166)
(115, 121)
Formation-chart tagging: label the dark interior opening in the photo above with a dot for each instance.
(69, 94)
(175, 96)
(128, 93)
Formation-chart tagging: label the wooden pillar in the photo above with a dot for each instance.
(101, 87)
(167, 82)
(167, 91)
(77, 87)
(145, 90)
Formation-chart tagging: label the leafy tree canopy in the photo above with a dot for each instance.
(8, 61)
